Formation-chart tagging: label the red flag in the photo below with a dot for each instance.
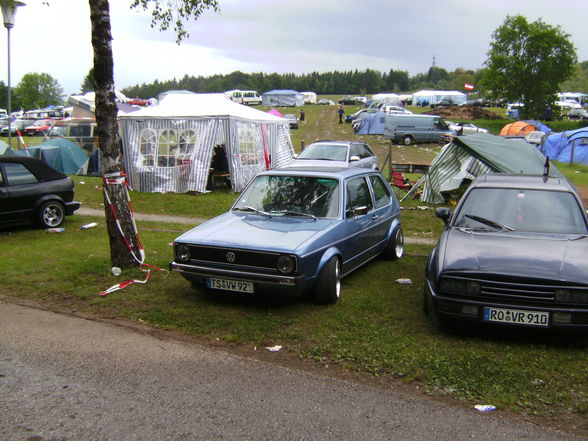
(468, 86)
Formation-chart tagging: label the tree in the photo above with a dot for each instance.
(88, 83)
(125, 248)
(38, 90)
(578, 81)
(527, 62)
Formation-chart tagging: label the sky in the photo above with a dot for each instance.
(283, 36)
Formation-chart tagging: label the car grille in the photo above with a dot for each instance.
(509, 288)
(242, 258)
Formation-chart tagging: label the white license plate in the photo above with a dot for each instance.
(516, 316)
(229, 285)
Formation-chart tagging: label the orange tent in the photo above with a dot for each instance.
(519, 128)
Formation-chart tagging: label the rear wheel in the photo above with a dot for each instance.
(407, 140)
(51, 214)
(328, 284)
(395, 247)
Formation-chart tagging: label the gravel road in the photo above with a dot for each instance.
(70, 378)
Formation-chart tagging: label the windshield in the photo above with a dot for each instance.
(537, 211)
(291, 195)
(57, 131)
(331, 152)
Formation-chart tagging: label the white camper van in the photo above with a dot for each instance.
(248, 97)
(309, 97)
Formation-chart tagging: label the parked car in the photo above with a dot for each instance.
(407, 129)
(346, 100)
(577, 114)
(511, 255)
(294, 231)
(337, 154)
(38, 128)
(359, 100)
(15, 125)
(325, 102)
(465, 128)
(33, 192)
(292, 119)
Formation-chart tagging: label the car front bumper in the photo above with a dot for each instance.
(293, 286)
(561, 317)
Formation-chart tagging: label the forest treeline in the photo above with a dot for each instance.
(364, 82)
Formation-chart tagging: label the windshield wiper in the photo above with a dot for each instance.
(249, 208)
(489, 222)
(293, 213)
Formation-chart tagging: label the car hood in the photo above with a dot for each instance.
(556, 257)
(281, 234)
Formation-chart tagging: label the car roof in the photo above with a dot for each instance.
(329, 172)
(40, 169)
(326, 141)
(529, 182)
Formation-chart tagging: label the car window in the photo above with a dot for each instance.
(381, 193)
(18, 174)
(358, 194)
(537, 211)
(300, 194)
(332, 152)
(80, 130)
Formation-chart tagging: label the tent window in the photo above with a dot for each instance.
(168, 146)
(148, 146)
(248, 146)
(187, 143)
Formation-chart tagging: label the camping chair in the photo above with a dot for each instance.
(400, 183)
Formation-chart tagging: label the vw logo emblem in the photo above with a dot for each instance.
(231, 257)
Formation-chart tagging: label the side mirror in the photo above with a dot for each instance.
(295, 155)
(443, 213)
(354, 158)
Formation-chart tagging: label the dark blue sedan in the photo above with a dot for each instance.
(294, 231)
(512, 255)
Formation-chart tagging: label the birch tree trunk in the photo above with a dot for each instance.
(121, 250)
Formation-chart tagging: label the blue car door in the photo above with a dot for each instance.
(359, 221)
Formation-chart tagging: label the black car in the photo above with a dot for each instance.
(33, 192)
(347, 100)
(512, 254)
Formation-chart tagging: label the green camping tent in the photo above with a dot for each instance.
(469, 156)
(63, 155)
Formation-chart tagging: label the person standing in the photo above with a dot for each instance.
(301, 119)
(341, 113)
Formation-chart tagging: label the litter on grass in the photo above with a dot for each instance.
(404, 281)
(485, 407)
(274, 348)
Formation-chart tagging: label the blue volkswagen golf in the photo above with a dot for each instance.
(295, 231)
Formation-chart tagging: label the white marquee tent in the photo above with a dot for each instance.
(169, 147)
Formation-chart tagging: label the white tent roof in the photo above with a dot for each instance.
(176, 105)
(438, 92)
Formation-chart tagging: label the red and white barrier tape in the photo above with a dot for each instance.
(119, 178)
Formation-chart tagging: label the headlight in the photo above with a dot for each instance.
(460, 286)
(571, 296)
(182, 253)
(286, 264)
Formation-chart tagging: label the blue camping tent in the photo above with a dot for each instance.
(539, 125)
(282, 98)
(559, 146)
(372, 124)
(61, 154)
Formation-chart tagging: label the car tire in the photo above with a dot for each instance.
(51, 214)
(407, 140)
(439, 323)
(395, 246)
(328, 285)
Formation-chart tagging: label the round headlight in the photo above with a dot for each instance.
(286, 264)
(182, 253)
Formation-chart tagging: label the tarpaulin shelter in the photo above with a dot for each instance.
(569, 146)
(469, 156)
(522, 128)
(282, 98)
(61, 154)
(169, 147)
(372, 124)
